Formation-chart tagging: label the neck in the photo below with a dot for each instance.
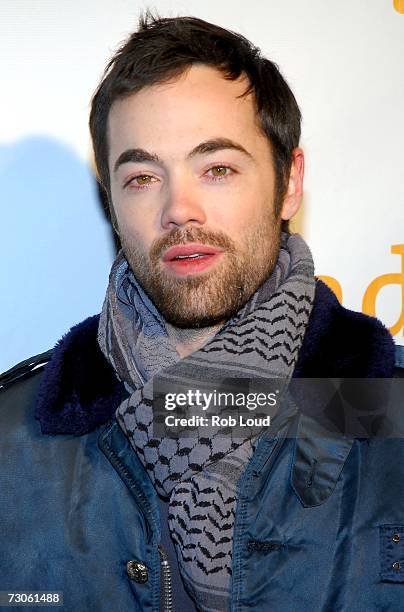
(189, 340)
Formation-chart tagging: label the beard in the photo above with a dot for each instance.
(211, 297)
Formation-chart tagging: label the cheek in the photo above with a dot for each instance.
(230, 206)
(133, 231)
(134, 224)
(236, 215)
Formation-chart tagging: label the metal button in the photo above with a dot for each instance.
(137, 571)
(396, 537)
(397, 566)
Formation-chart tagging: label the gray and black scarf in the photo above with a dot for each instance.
(199, 475)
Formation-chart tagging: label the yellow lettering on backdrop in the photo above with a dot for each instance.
(371, 293)
(399, 6)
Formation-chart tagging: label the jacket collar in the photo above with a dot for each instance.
(79, 390)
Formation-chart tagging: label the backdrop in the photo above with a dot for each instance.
(342, 59)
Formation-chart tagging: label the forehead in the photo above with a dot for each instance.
(171, 116)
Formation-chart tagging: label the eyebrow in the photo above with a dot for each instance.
(209, 146)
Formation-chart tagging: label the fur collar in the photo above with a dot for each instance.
(79, 390)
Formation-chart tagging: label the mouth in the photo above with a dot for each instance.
(184, 259)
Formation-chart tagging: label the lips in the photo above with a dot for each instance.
(189, 251)
(192, 258)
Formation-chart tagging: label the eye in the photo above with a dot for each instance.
(140, 181)
(220, 172)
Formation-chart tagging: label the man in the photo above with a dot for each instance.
(196, 141)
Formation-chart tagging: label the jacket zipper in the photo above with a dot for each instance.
(168, 605)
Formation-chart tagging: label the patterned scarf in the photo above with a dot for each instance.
(199, 475)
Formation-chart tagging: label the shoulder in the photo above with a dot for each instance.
(19, 389)
(24, 369)
(19, 385)
(76, 389)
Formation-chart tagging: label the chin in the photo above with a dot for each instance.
(188, 318)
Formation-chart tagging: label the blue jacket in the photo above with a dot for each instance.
(79, 514)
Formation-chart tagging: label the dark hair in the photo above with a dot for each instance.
(162, 48)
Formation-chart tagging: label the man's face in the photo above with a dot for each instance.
(192, 185)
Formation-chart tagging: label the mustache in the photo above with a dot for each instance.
(191, 234)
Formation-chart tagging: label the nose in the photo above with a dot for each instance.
(182, 206)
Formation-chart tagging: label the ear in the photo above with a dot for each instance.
(294, 192)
